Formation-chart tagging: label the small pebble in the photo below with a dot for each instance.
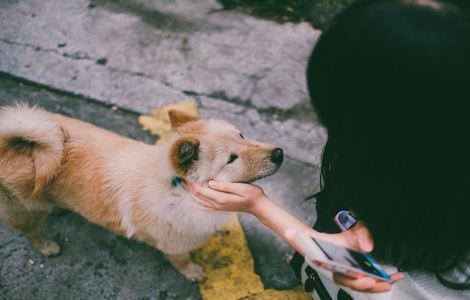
(31, 261)
(41, 266)
(114, 108)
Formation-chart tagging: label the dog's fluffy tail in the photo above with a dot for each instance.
(31, 146)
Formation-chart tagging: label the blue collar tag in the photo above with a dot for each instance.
(176, 181)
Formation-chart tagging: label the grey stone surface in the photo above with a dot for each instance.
(81, 57)
(170, 43)
(94, 264)
(84, 77)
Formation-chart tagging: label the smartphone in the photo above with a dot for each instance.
(339, 259)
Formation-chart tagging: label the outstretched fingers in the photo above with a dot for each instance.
(367, 284)
(209, 197)
(364, 284)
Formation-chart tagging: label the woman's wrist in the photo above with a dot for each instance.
(261, 207)
(279, 220)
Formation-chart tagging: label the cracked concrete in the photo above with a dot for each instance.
(81, 57)
(189, 51)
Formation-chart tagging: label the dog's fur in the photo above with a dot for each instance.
(49, 160)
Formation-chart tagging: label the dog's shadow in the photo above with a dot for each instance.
(93, 263)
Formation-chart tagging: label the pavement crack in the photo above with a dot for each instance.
(302, 110)
(68, 93)
(79, 55)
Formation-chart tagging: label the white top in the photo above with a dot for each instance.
(416, 286)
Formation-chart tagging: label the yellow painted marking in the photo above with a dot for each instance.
(226, 258)
(270, 294)
(229, 266)
(158, 122)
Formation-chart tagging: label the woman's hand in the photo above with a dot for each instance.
(359, 238)
(367, 284)
(251, 199)
(227, 196)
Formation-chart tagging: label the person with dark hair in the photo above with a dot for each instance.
(390, 81)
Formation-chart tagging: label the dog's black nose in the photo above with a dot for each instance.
(277, 156)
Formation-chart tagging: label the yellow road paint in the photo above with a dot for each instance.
(270, 294)
(226, 258)
(229, 266)
(158, 122)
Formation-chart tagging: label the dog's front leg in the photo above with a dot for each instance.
(183, 263)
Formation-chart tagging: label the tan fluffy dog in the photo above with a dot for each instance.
(129, 187)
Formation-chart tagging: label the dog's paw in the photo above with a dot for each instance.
(48, 248)
(194, 272)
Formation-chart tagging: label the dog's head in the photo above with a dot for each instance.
(214, 149)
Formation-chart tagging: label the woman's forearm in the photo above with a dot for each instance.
(282, 222)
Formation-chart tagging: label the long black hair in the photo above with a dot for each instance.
(390, 80)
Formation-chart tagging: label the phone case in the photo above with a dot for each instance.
(315, 257)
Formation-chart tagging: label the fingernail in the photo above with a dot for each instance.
(369, 245)
(212, 183)
(366, 244)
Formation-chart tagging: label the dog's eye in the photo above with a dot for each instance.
(241, 135)
(232, 158)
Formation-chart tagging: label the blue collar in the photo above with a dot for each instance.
(176, 181)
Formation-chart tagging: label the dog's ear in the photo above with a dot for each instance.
(178, 118)
(183, 153)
